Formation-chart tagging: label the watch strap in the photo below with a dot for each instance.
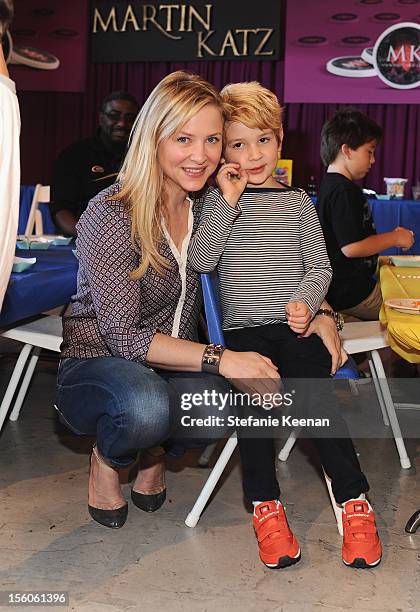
(210, 362)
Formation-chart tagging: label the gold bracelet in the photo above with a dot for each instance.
(210, 361)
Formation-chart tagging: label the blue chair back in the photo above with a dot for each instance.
(212, 308)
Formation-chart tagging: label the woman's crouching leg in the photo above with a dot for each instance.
(123, 403)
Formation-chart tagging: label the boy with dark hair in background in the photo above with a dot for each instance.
(348, 143)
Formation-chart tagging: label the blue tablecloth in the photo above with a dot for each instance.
(388, 214)
(47, 284)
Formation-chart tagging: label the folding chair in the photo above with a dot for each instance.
(212, 308)
(44, 333)
(369, 336)
(35, 222)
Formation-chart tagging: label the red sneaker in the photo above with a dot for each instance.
(361, 544)
(277, 544)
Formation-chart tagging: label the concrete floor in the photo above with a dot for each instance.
(48, 541)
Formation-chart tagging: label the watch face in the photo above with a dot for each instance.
(339, 321)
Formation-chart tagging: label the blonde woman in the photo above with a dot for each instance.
(130, 345)
(137, 302)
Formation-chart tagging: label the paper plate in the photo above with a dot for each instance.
(61, 240)
(39, 243)
(58, 240)
(23, 245)
(21, 263)
(407, 305)
(409, 261)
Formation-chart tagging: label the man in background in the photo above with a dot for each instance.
(88, 166)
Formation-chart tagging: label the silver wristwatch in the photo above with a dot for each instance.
(337, 316)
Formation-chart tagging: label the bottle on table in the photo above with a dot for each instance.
(311, 188)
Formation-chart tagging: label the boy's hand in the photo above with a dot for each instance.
(231, 180)
(298, 316)
(404, 238)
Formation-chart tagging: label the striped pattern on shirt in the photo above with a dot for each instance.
(268, 250)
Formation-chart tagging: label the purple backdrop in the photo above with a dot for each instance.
(306, 76)
(51, 121)
(58, 28)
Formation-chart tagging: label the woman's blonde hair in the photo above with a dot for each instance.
(254, 106)
(173, 102)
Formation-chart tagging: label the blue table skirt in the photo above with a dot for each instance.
(388, 214)
(50, 282)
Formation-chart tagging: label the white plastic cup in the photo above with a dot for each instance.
(395, 187)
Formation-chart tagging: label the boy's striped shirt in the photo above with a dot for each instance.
(269, 250)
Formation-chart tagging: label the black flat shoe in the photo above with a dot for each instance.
(148, 503)
(109, 518)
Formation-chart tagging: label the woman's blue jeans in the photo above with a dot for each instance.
(129, 407)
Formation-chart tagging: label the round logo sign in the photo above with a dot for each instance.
(396, 56)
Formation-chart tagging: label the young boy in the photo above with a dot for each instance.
(348, 142)
(267, 244)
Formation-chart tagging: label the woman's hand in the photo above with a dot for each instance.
(298, 316)
(250, 372)
(326, 329)
(231, 180)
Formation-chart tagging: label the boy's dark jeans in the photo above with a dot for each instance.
(295, 358)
